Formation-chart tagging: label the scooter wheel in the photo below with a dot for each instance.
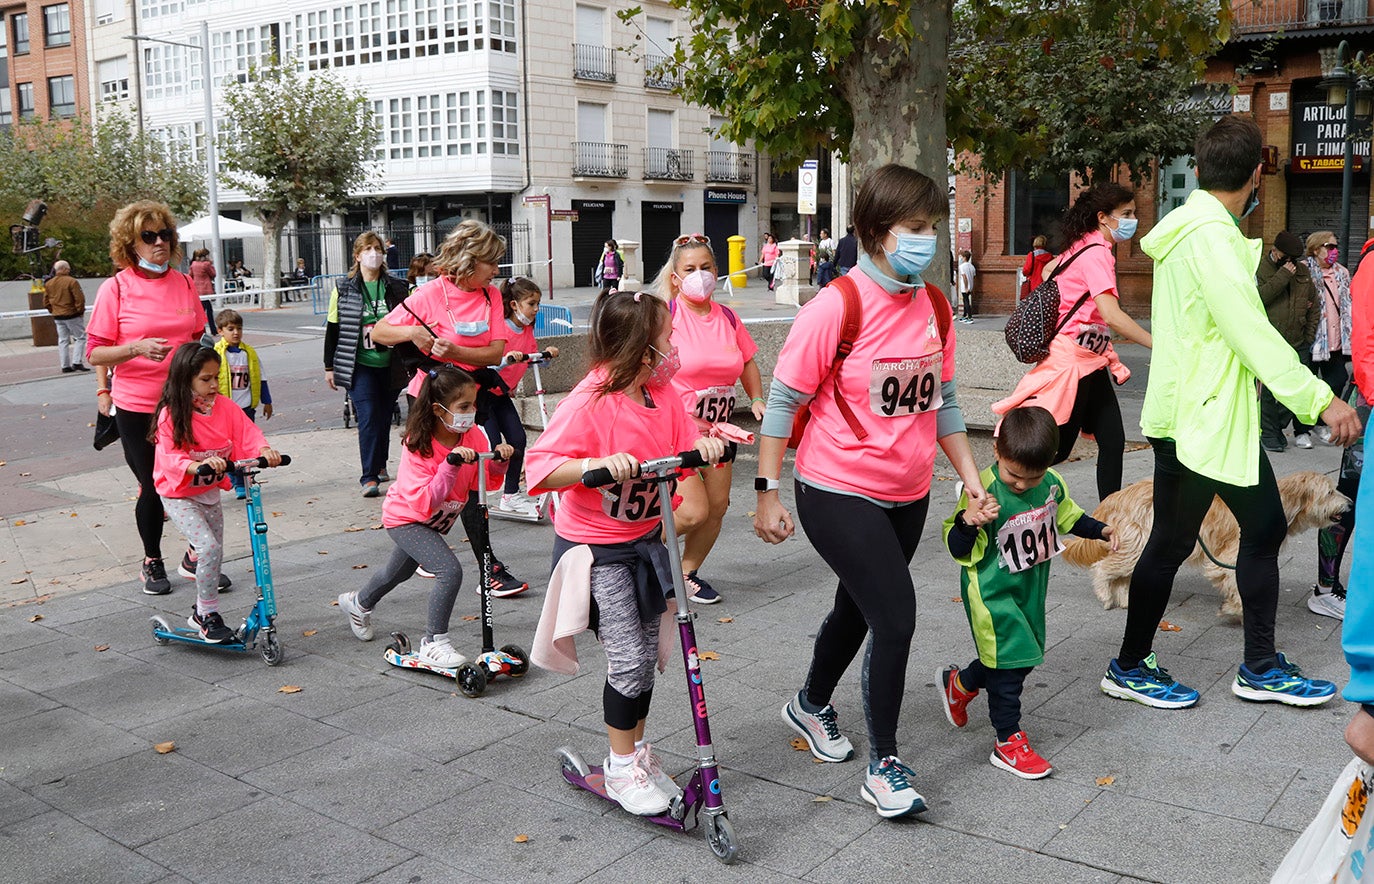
(522, 664)
(472, 681)
(160, 624)
(572, 762)
(272, 651)
(720, 835)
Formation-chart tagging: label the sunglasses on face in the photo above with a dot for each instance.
(692, 238)
(151, 237)
(1329, 245)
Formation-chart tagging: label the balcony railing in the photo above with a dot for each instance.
(729, 167)
(1298, 15)
(659, 73)
(593, 63)
(596, 159)
(667, 164)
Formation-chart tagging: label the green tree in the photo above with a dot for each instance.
(300, 144)
(875, 79)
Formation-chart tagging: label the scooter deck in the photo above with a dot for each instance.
(413, 661)
(595, 782)
(193, 637)
(495, 511)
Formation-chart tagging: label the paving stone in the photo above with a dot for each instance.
(240, 735)
(53, 848)
(136, 697)
(326, 687)
(18, 702)
(145, 796)
(361, 783)
(54, 744)
(17, 805)
(431, 724)
(61, 661)
(282, 840)
(423, 870)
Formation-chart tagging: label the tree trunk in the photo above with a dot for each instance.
(897, 92)
(272, 224)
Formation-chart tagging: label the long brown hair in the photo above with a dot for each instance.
(623, 328)
(360, 244)
(187, 362)
(440, 385)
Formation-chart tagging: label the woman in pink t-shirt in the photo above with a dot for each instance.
(1101, 217)
(622, 413)
(865, 462)
(141, 315)
(196, 426)
(717, 352)
(424, 502)
(768, 256)
(464, 310)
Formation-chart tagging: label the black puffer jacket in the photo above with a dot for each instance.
(342, 338)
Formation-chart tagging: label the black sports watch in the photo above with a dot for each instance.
(761, 484)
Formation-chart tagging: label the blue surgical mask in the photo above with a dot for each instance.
(151, 267)
(1125, 228)
(914, 253)
(1251, 203)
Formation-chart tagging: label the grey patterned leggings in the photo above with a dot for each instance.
(419, 546)
(631, 645)
(201, 519)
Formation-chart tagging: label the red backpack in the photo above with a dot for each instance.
(849, 333)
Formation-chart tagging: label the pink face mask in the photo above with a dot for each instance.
(1332, 255)
(697, 285)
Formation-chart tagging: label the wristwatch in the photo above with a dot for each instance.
(761, 484)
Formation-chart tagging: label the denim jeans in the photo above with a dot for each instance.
(373, 399)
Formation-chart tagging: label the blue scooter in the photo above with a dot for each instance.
(262, 616)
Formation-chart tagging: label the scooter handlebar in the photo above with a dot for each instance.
(687, 460)
(541, 356)
(456, 460)
(239, 465)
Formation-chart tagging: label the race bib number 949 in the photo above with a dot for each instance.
(905, 386)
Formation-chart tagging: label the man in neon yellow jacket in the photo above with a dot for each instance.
(1201, 415)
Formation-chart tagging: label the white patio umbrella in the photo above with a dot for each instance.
(228, 229)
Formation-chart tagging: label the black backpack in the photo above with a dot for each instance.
(1035, 321)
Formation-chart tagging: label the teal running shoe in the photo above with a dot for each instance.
(1284, 683)
(1149, 684)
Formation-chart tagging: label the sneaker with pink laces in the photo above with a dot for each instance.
(1016, 756)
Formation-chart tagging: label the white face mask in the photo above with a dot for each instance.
(522, 319)
(371, 259)
(462, 421)
(421, 280)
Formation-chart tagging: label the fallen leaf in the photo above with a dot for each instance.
(709, 655)
(278, 515)
(749, 514)
(470, 618)
(90, 425)
(1166, 626)
(26, 474)
(321, 552)
(310, 632)
(377, 527)
(18, 522)
(36, 617)
(359, 567)
(821, 799)
(351, 528)
(817, 761)
(798, 743)
(334, 604)
(725, 619)
(3, 462)
(957, 600)
(521, 839)
(288, 689)
(164, 748)
(72, 516)
(97, 525)
(18, 580)
(1105, 781)
(102, 648)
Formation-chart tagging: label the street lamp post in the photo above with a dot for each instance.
(211, 158)
(1351, 91)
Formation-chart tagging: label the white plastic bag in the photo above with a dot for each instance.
(1339, 842)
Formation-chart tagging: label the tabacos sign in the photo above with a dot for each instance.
(1319, 133)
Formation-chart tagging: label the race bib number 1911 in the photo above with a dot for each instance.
(905, 386)
(1029, 538)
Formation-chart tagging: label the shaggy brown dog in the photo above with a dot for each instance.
(1310, 500)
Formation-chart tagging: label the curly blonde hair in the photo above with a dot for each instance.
(128, 223)
(468, 243)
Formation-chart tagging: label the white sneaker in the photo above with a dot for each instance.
(645, 757)
(439, 651)
(633, 789)
(888, 788)
(516, 503)
(359, 621)
(1330, 603)
(821, 730)
(1302, 440)
(1324, 433)
(421, 572)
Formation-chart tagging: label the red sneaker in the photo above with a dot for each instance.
(953, 697)
(1016, 756)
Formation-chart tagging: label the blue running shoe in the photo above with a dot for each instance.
(1148, 684)
(1284, 683)
(888, 788)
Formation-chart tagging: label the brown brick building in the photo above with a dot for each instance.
(43, 66)
(1285, 48)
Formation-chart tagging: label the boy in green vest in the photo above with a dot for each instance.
(1006, 551)
(240, 374)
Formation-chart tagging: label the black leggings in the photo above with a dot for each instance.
(1095, 411)
(138, 454)
(1182, 498)
(503, 424)
(968, 304)
(1004, 694)
(869, 548)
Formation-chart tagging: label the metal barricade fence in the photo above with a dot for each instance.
(553, 320)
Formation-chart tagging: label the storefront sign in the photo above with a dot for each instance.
(663, 207)
(1325, 164)
(727, 197)
(1319, 134)
(594, 205)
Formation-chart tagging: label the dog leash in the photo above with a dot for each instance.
(1208, 553)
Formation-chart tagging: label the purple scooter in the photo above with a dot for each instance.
(702, 796)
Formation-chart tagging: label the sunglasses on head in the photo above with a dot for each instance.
(166, 234)
(692, 238)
